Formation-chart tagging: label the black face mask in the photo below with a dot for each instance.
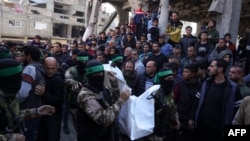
(80, 71)
(119, 64)
(10, 88)
(96, 81)
(166, 85)
(80, 66)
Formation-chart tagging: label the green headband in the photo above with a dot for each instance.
(165, 73)
(162, 74)
(4, 55)
(82, 58)
(117, 58)
(94, 69)
(11, 70)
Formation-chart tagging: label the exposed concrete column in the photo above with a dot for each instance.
(108, 21)
(69, 31)
(25, 39)
(163, 19)
(123, 14)
(228, 21)
(96, 4)
(26, 20)
(50, 6)
(88, 9)
(26, 35)
(199, 24)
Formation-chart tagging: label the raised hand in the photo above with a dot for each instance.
(125, 95)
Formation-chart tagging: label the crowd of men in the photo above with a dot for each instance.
(203, 81)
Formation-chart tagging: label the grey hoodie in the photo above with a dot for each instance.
(223, 53)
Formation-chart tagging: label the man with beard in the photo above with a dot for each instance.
(130, 74)
(58, 54)
(50, 126)
(127, 53)
(220, 47)
(157, 56)
(11, 117)
(99, 102)
(139, 67)
(166, 118)
(75, 78)
(101, 57)
(138, 47)
(190, 56)
(33, 75)
(146, 53)
(145, 80)
(186, 100)
(219, 100)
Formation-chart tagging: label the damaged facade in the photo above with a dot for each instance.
(21, 20)
(62, 19)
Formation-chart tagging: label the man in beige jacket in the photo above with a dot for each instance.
(242, 117)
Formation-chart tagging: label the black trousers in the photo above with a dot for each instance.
(50, 128)
(206, 133)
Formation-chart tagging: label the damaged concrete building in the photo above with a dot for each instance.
(58, 20)
(21, 20)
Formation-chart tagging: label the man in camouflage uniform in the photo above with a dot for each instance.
(166, 116)
(11, 118)
(75, 78)
(99, 102)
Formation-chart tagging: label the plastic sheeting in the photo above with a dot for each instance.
(136, 117)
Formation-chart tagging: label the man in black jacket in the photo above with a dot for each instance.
(146, 80)
(219, 100)
(157, 56)
(185, 98)
(50, 126)
(187, 41)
